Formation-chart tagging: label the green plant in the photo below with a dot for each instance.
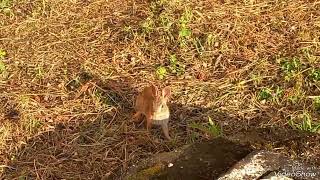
(271, 94)
(24, 101)
(305, 123)
(2, 54)
(186, 17)
(166, 21)
(102, 99)
(31, 124)
(211, 128)
(161, 72)
(278, 94)
(185, 32)
(192, 137)
(256, 78)
(315, 74)
(148, 25)
(265, 94)
(127, 29)
(176, 67)
(5, 6)
(22, 177)
(290, 67)
(295, 98)
(316, 103)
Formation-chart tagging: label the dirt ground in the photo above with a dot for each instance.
(70, 70)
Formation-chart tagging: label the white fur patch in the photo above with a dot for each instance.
(161, 116)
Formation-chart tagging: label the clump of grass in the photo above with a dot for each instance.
(2, 53)
(265, 94)
(184, 31)
(212, 40)
(148, 25)
(308, 54)
(315, 74)
(304, 122)
(290, 67)
(166, 21)
(101, 99)
(271, 94)
(211, 128)
(296, 96)
(175, 66)
(161, 72)
(316, 103)
(257, 79)
(31, 125)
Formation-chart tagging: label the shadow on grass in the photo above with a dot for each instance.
(107, 144)
(98, 145)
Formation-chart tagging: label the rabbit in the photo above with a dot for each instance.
(153, 105)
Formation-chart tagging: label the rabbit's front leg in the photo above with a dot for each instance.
(165, 130)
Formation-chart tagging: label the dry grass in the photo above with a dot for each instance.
(55, 123)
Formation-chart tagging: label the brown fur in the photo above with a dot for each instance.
(149, 102)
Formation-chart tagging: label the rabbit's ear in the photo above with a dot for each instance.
(154, 90)
(166, 92)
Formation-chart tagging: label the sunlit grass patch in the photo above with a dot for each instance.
(290, 67)
(244, 59)
(31, 125)
(304, 122)
(274, 94)
(315, 74)
(161, 72)
(210, 129)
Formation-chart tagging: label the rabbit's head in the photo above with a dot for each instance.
(160, 98)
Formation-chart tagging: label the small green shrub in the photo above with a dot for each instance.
(265, 94)
(211, 128)
(268, 94)
(304, 123)
(161, 72)
(175, 66)
(185, 32)
(315, 74)
(290, 67)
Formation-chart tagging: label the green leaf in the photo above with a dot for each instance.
(315, 74)
(161, 72)
(2, 54)
(184, 32)
(265, 94)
